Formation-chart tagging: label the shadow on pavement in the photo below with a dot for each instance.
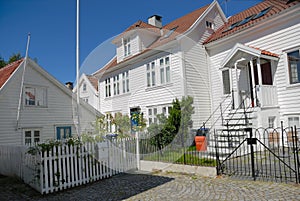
(118, 187)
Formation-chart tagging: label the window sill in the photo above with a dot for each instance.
(158, 87)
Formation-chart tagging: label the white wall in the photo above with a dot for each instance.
(59, 110)
(277, 36)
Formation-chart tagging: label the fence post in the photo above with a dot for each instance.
(137, 150)
(282, 138)
(252, 153)
(217, 154)
(295, 150)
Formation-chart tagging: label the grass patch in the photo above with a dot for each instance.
(178, 156)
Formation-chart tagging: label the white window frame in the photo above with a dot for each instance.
(35, 96)
(166, 109)
(125, 82)
(107, 88)
(294, 121)
(151, 74)
(84, 87)
(152, 118)
(165, 70)
(293, 82)
(226, 90)
(32, 139)
(272, 121)
(116, 84)
(126, 47)
(210, 24)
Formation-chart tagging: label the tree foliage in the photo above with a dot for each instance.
(178, 122)
(14, 57)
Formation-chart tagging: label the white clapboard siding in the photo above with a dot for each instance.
(58, 112)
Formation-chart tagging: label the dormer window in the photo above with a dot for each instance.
(84, 87)
(126, 45)
(210, 24)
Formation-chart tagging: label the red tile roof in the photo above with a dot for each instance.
(265, 52)
(94, 81)
(8, 70)
(138, 25)
(181, 24)
(277, 6)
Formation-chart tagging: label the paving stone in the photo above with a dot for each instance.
(157, 186)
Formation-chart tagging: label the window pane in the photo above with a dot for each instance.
(148, 80)
(153, 78)
(155, 111)
(162, 76)
(294, 66)
(167, 60)
(226, 82)
(161, 62)
(27, 134)
(127, 81)
(168, 74)
(150, 112)
(30, 96)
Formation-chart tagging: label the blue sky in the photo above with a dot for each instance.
(52, 24)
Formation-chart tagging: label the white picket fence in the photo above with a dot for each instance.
(66, 166)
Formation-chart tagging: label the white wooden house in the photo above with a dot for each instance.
(42, 110)
(255, 58)
(157, 63)
(88, 86)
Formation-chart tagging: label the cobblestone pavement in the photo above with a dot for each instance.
(158, 186)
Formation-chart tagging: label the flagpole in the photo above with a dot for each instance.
(77, 66)
(22, 82)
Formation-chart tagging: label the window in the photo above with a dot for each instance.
(35, 96)
(63, 132)
(84, 87)
(126, 45)
(271, 121)
(125, 81)
(166, 110)
(152, 118)
(263, 12)
(168, 34)
(116, 85)
(294, 66)
(31, 136)
(247, 19)
(226, 81)
(164, 65)
(209, 24)
(294, 121)
(151, 74)
(107, 88)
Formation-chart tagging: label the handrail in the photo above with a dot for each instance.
(203, 126)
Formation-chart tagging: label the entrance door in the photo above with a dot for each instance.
(266, 73)
(63, 132)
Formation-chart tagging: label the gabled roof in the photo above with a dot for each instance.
(180, 26)
(244, 52)
(251, 17)
(8, 70)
